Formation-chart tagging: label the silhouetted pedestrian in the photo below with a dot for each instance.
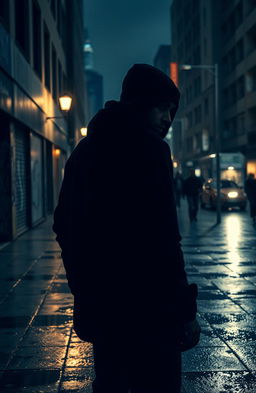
(250, 189)
(192, 188)
(117, 226)
(178, 187)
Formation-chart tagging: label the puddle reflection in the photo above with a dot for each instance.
(233, 232)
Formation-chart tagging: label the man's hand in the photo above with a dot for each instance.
(190, 335)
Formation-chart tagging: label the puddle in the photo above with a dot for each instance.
(51, 320)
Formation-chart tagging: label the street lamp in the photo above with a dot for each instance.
(214, 69)
(65, 102)
(83, 131)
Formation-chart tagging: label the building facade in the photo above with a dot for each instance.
(35, 42)
(206, 33)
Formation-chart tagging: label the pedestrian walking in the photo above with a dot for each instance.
(192, 188)
(178, 187)
(250, 189)
(116, 224)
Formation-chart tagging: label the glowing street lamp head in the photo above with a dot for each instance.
(186, 67)
(83, 131)
(65, 103)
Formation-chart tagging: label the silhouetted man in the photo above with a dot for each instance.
(178, 187)
(250, 189)
(117, 226)
(192, 188)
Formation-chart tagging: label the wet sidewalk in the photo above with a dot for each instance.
(39, 351)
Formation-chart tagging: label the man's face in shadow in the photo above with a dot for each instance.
(158, 119)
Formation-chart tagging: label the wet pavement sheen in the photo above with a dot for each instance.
(40, 353)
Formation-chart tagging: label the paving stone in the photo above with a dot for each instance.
(236, 332)
(80, 355)
(77, 380)
(218, 306)
(31, 381)
(47, 336)
(53, 320)
(219, 382)
(210, 359)
(38, 358)
(247, 353)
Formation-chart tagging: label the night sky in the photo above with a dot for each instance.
(124, 32)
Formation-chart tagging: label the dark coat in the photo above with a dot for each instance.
(116, 220)
(192, 186)
(250, 189)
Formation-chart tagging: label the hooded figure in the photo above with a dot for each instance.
(117, 226)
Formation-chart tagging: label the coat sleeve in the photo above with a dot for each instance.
(160, 211)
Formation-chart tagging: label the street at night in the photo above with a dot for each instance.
(127, 196)
(41, 353)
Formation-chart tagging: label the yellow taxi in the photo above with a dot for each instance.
(231, 195)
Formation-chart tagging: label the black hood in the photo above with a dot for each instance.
(143, 87)
(148, 86)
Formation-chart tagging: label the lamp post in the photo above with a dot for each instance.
(214, 69)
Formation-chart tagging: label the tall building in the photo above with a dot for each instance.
(205, 33)
(37, 40)
(162, 58)
(94, 80)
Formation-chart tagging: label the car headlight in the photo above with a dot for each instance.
(233, 194)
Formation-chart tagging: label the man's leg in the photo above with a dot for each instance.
(156, 370)
(110, 365)
(190, 207)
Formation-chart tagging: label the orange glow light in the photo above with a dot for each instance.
(174, 74)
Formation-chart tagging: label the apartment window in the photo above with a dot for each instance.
(197, 143)
(232, 59)
(241, 123)
(239, 14)
(225, 65)
(53, 8)
(180, 52)
(240, 51)
(54, 73)
(226, 96)
(197, 86)
(230, 128)
(206, 107)
(251, 40)
(233, 95)
(197, 55)
(47, 59)
(4, 13)
(198, 114)
(60, 78)
(205, 47)
(22, 26)
(226, 131)
(250, 80)
(249, 6)
(189, 144)
(37, 46)
(204, 16)
(240, 87)
(190, 119)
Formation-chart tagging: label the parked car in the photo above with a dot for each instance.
(231, 195)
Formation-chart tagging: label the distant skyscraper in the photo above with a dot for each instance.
(88, 55)
(94, 80)
(162, 58)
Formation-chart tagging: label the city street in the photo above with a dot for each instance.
(41, 353)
